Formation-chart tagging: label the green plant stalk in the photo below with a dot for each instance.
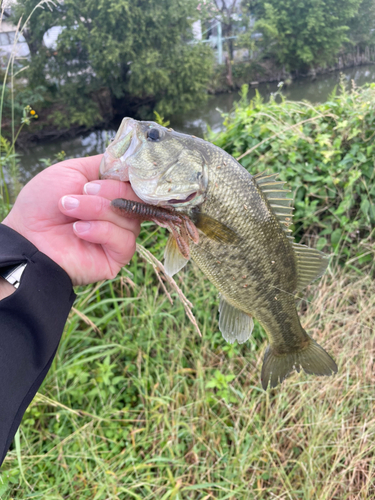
(17, 442)
(118, 311)
(9, 68)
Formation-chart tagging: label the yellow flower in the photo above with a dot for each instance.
(32, 112)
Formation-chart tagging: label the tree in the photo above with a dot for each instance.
(140, 50)
(230, 15)
(31, 10)
(362, 25)
(301, 33)
(227, 13)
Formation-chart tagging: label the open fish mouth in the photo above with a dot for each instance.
(125, 145)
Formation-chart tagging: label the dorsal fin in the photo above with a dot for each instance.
(277, 197)
(311, 264)
(265, 177)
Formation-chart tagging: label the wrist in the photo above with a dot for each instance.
(8, 222)
(6, 288)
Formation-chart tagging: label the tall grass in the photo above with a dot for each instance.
(137, 405)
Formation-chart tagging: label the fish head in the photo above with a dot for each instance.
(164, 167)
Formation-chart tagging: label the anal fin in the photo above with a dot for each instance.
(233, 323)
(173, 260)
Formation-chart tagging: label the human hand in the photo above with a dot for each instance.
(89, 241)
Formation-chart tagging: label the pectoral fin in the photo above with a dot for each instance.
(173, 260)
(214, 229)
(233, 323)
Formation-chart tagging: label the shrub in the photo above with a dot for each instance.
(325, 153)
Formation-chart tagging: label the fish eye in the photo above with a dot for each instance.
(153, 134)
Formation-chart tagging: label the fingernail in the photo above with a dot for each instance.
(81, 226)
(91, 188)
(68, 202)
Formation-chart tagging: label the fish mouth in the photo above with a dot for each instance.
(125, 144)
(186, 200)
(117, 171)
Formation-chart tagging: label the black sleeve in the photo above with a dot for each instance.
(31, 323)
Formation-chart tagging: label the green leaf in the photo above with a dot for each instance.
(365, 206)
(336, 236)
(321, 243)
(4, 484)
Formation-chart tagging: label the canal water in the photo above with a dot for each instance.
(195, 122)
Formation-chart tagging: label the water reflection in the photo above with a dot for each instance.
(81, 145)
(195, 122)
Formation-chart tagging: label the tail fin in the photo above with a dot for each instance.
(313, 359)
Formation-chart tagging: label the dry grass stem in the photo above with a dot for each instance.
(158, 267)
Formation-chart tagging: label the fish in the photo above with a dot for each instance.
(238, 234)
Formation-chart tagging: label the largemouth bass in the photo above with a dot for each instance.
(239, 237)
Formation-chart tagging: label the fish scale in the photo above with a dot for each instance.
(245, 247)
(230, 188)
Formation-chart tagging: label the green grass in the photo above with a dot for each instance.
(137, 405)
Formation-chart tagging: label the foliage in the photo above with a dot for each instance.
(137, 406)
(47, 162)
(8, 157)
(362, 25)
(10, 184)
(221, 384)
(225, 11)
(23, 96)
(125, 411)
(160, 120)
(16, 109)
(136, 49)
(325, 153)
(301, 34)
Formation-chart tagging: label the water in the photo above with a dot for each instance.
(194, 122)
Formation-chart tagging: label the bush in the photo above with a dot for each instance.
(325, 153)
(13, 106)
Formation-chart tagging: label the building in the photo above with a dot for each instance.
(12, 42)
